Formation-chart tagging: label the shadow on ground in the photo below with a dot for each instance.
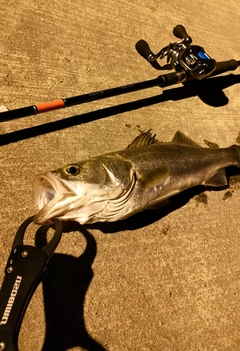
(147, 217)
(68, 278)
(64, 289)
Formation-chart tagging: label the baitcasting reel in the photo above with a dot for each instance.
(189, 62)
(180, 55)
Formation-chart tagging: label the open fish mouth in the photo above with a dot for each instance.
(52, 196)
(84, 202)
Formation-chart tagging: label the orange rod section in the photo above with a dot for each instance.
(50, 105)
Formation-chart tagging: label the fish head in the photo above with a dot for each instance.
(80, 191)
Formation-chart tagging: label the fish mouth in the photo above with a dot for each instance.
(80, 201)
(52, 196)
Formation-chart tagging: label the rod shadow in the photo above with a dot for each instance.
(64, 289)
(210, 91)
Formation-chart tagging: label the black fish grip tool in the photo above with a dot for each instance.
(24, 271)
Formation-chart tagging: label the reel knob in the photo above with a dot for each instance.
(144, 50)
(180, 32)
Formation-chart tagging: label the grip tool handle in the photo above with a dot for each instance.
(24, 271)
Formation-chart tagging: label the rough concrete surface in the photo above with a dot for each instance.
(163, 280)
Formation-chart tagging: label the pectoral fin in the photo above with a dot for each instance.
(159, 205)
(155, 177)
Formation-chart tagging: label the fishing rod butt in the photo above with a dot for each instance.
(225, 66)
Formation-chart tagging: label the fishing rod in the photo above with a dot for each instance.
(189, 62)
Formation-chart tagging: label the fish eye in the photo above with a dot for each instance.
(72, 170)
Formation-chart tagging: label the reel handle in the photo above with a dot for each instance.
(180, 32)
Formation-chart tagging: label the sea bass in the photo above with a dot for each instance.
(119, 184)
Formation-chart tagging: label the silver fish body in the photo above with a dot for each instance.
(117, 185)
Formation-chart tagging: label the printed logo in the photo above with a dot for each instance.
(11, 300)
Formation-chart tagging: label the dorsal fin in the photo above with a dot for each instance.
(181, 138)
(211, 145)
(145, 138)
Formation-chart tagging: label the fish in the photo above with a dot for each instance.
(119, 184)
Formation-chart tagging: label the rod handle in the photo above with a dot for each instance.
(225, 66)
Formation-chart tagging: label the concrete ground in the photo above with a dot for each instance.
(163, 280)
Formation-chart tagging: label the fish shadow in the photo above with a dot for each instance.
(147, 217)
(210, 91)
(64, 289)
